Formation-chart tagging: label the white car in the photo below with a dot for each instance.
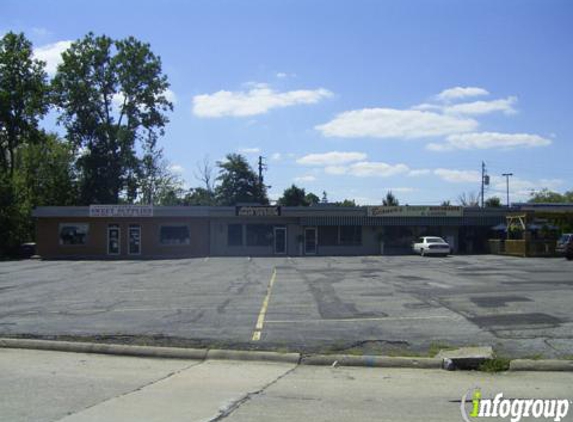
(431, 245)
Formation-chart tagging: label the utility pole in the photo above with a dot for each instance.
(262, 166)
(484, 182)
(507, 176)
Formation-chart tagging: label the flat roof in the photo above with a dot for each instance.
(414, 211)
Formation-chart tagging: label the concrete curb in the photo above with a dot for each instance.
(253, 356)
(373, 361)
(109, 349)
(541, 365)
(244, 355)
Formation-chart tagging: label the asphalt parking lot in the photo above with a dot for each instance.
(406, 304)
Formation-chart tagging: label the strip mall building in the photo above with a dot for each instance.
(131, 232)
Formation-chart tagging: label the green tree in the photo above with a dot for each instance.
(199, 196)
(157, 182)
(294, 197)
(112, 94)
(470, 199)
(238, 183)
(23, 97)
(346, 203)
(312, 199)
(390, 200)
(43, 175)
(493, 202)
(547, 196)
(45, 172)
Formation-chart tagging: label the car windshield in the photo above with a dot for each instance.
(435, 240)
(564, 238)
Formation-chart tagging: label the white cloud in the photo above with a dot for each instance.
(305, 178)
(458, 176)
(41, 32)
(483, 107)
(489, 140)
(117, 100)
(394, 123)
(170, 96)
(52, 55)
(419, 172)
(254, 150)
(277, 156)
(520, 189)
(259, 99)
(461, 92)
(400, 190)
(283, 75)
(336, 170)
(331, 158)
(176, 168)
(368, 169)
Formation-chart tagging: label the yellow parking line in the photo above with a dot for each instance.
(261, 318)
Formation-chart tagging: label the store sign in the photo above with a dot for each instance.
(121, 210)
(415, 211)
(258, 211)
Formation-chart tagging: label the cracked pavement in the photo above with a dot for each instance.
(378, 304)
(42, 386)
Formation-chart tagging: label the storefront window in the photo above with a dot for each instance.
(328, 235)
(259, 235)
(174, 235)
(235, 235)
(350, 235)
(74, 233)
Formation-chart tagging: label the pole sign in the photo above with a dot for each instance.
(415, 211)
(121, 210)
(258, 211)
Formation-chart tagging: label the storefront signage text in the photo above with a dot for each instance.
(415, 211)
(256, 211)
(121, 210)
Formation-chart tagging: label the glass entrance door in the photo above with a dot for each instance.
(280, 240)
(134, 239)
(113, 236)
(310, 240)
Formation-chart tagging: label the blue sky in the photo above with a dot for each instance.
(353, 98)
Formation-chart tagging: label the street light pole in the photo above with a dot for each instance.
(507, 176)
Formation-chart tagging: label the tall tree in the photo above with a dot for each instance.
(294, 197)
(493, 202)
(312, 199)
(112, 94)
(199, 196)
(547, 196)
(45, 171)
(390, 200)
(346, 203)
(158, 184)
(23, 97)
(238, 182)
(470, 199)
(204, 173)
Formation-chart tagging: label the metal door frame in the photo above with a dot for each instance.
(129, 227)
(111, 227)
(275, 229)
(315, 240)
